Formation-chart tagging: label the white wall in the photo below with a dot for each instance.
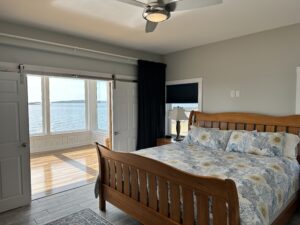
(262, 66)
(46, 143)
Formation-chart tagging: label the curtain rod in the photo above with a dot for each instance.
(60, 72)
(131, 60)
(84, 77)
(66, 75)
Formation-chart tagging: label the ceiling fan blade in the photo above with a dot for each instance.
(150, 26)
(194, 4)
(134, 2)
(170, 7)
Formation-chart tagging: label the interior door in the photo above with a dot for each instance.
(124, 116)
(14, 138)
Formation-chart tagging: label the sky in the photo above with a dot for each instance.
(62, 89)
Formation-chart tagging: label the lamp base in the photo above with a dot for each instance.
(177, 130)
(177, 139)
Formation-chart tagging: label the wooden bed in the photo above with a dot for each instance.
(131, 182)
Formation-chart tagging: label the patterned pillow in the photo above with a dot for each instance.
(223, 138)
(208, 138)
(240, 141)
(258, 143)
(191, 137)
(270, 144)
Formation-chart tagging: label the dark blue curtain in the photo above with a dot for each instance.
(151, 103)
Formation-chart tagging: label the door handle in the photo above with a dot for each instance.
(24, 144)
(116, 133)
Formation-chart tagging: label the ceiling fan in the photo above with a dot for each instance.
(157, 11)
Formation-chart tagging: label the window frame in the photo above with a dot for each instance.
(44, 131)
(168, 105)
(48, 110)
(90, 110)
(107, 100)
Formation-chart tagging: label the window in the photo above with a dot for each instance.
(184, 127)
(186, 94)
(62, 105)
(35, 106)
(67, 104)
(102, 105)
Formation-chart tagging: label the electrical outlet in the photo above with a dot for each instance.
(232, 93)
(237, 93)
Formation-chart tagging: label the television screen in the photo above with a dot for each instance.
(182, 93)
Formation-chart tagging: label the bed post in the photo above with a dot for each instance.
(102, 202)
(191, 119)
(298, 153)
(233, 201)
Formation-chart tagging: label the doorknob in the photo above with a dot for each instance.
(116, 133)
(24, 144)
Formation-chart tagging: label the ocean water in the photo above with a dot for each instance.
(65, 116)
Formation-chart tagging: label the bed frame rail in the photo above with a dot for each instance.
(155, 193)
(247, 121)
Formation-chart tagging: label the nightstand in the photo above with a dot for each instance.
(164, 141)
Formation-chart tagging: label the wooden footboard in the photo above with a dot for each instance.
(155, 193)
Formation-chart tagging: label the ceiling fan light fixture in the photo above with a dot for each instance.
(156, 15)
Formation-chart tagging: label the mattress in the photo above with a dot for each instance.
(265, 184)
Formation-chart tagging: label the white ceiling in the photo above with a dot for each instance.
(122, 24)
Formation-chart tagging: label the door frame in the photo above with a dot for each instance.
(53, 71)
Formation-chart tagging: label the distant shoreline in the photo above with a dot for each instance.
(73, 101)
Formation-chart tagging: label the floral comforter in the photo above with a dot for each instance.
(264, 184)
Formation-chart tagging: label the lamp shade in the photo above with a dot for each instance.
(177, 114)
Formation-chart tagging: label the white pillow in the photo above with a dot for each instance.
(290, 148)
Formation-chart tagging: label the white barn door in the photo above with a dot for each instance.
(124, 116)
(14, 142)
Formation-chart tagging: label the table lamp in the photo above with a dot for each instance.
(177, 114)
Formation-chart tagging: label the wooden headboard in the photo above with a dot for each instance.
(247, 121)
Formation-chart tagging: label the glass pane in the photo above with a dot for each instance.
(67, 104)
(35, 108)
(102, 105)
(184, 125)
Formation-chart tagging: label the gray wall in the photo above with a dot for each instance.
(262, 66)
(9, 53)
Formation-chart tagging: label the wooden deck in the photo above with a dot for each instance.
(58, 171)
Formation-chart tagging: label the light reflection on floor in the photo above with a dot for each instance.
(62, 170)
